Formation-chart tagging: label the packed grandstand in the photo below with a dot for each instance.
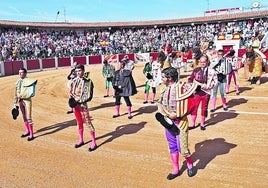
(29, 41)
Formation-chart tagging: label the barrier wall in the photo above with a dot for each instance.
(63, 62)
(96, 59)
(81, 59)
(48, 63)
(32, 64)
(11, 67)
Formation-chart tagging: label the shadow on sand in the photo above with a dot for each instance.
(104, 105)
(217, 117)
(235, 102)
(121, 130)
(208, 150)
(55, 128)
(145, 110)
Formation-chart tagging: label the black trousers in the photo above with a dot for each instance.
(118, 100)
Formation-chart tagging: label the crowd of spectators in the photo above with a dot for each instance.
(18, 44)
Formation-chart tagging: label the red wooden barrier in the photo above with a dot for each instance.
(64, 61)
(12, 67)
(48, 63)
(95, 59)
(33, 64)
(80, 60)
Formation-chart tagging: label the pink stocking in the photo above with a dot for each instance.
(27, 129)
(193, 120)
(227, 88)
(107, 92)
(31, 130)
(117, 108)
(175, 162)
(237, 89)
(81, 136)
(189, 162)
(213, 103)
(223, 102)
(129, 111)
(202, 121)
(93, 139)
(146, 97)
(153, 97)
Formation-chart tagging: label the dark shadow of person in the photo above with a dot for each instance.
(220, 117)
(145, 109)
(243, 89)
(103, 105)
(208, 150)
(55, 128)
(234, 102)
(122, 130)
(264, 79)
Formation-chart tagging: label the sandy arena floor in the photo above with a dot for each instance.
(232, 152)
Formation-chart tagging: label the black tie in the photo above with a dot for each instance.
(202, 73)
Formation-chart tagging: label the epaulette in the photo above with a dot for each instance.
(185, 89)
(86, 76)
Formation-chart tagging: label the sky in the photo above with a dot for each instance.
(114, 10)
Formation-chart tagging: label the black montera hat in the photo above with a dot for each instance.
(23, 69)
(80, 66)
(15, 112)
